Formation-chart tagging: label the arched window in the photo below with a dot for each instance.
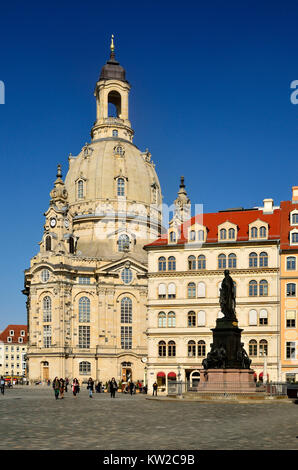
(48, 243)
(162, 291)
(192, 262)
(253, 318)
(120, 187)
(162, 320)
(84, 310)
(171, 319)
(222, 261)
(126, 310)
(123, 242)
(253, 348)
(201, 318)
(263, 348)
(254, 232)
(162, 265)
(171, 349)
(232, 260)
(201, 289)
(191, 290)
(172, 236)
(291, 263)
(295, 219)
(263, 317)
(223, 234)
(201, 235)
(253, 260)
(263, 232)
(71, 245)
(263, 288)
(201, 348)
(291, 289)
(263, 263)
(85, 368)
(191, 319)
(47, 309)
(162, 351)
(172, 263)
(191, 349)
(114, 104)
(115, 133)
(192, 235)
(294, 237)
(172, 290)
(231, 233)
(80, 189)
(253, 289)
(201, 262)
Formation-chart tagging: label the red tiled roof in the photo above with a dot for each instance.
(285, 223)
(240, 218)
(17, 334)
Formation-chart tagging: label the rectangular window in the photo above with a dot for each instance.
(290, 350)
(84, 337)
(126, 337)
(291, 290)
(291, 319)
(84, 280)
(294, 219)
(294, 237)
(47, 336)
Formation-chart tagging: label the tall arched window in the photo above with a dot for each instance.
(253, 260)
(201, 348)
(71, 245)
(47, 309)
(191, 290)
(263, 348)
(172, 236)
(232, 260)
(171, 349)
(123, 242)
(120, 187)
(48, 243)
(201, 318)
(263, 288)
(253, 288)
(192, 235)
(84, 310)
(254, 232)
(201, 262)
(222, 261)
(231, 233)
(253, 317)
(162, 320)
(192, 262)
(162, 349)
(126, 310)
(191, 319)
(263, 259)
(201, 289)
(263, 232)
(171, 319)
(223, 234)
(191, 349)
(253, 348)
(201, 235)
(80, 189)
(162, 264)
(172, 263)
(291, 263)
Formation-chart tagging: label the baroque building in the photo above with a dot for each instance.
(13, 349)
(185, 269)
(87, 286)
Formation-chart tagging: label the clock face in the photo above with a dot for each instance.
(66, 223)
(53, 222)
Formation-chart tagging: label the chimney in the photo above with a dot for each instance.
(295, 194)
(268, 206)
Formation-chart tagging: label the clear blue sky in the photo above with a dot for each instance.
(210, 99)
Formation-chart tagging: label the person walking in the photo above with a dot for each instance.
(155, 389)
(66, 384)
(75, 385)
(113, 387)
(62, 388)
(56, 387)
(2, 384)
(131, 387)
(90, 386)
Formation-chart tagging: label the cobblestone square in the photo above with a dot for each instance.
(31, 418)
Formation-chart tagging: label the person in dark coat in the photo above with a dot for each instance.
(155, 389)
(62, 388)
(113, 387)
(131, 387)
(90, 386)
(56, 387)
(75, 386)
(2, 384)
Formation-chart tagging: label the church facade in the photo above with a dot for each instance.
(86, 288)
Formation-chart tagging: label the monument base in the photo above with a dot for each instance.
(227, 381)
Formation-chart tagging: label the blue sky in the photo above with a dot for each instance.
(210, 99)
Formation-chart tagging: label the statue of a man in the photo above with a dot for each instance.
(227, 298)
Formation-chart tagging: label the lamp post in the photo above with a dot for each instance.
(179, 382)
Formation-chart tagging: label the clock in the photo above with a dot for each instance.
(53, 222)
(66, 223)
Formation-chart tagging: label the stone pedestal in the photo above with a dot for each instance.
(228, 335)
(227, 381)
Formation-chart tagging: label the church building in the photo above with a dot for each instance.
(86, 287)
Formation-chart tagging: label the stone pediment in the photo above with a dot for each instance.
(126, 262)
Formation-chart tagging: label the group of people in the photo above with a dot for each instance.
(60, 386)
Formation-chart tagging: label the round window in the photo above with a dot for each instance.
(126, 275)
(45, 275)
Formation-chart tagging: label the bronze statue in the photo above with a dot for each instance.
(227, 297)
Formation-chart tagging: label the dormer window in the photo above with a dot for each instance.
(172, 237)
(9, 339)
(11, 332)
(201, 235)
(20, 340)
(263, 232)
(223, 234)
(192, 235)
(254, 232)
(231, 233)
(22, 333)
